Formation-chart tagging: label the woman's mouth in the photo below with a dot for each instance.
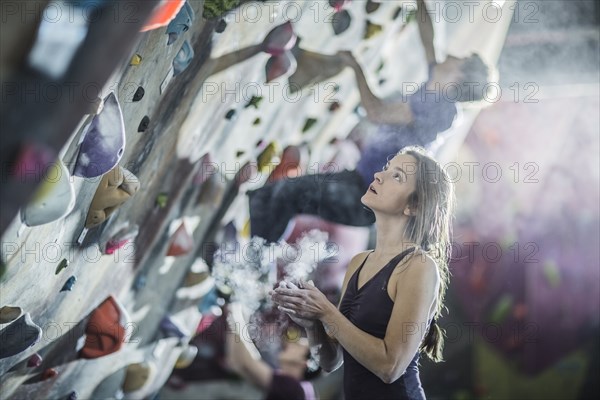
(372, 189)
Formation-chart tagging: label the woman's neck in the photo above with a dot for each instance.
(391, 240)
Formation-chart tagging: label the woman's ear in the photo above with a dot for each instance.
(410, 211)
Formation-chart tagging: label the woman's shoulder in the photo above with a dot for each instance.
(419, 260)
(357, 260)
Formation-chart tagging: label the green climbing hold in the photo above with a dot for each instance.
(254, 102)
(372, 30)
(217, 8)
(62, 265)
(257, 121)
(161, 200)
(310, 122)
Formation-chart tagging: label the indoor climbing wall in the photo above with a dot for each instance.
(104, 267)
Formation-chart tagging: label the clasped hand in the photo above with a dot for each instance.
(302, 301)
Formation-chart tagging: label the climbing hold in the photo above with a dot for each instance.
(334, 106)
(136, 59)
(9, 314)
(170, 328)
(221, 25)
(254, 102)
(372, 30)
(230, 114)
(280, 65)
(62, 265)
(280, 39)
(181, 23)
(372, 6)
(310, 122)
(183, 58)
(161, 200)
(139, 94)
(340, 22)
(266, 156)
(54, 198)
(257, 121)
(144, 124)
(186, 357)
(34, 361)
(115, 188)
(72, 395)
(140, 282)
(181, 242)
(49, 373)
(104, 141)
(105, 330)
(121, 238)
(138, 375)
(19, 336)
(68, 286)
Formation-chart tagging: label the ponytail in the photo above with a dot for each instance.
(433, 343)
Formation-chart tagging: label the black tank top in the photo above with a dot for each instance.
(369, 308)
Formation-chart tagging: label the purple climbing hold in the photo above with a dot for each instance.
(280, 65)
(34, 361)
(104, 142)
(280, 39)
(170, 329)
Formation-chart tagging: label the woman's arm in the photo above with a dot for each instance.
(426, 31)
(328, 349)
(387, 358)
(378, 111)
(243, 357)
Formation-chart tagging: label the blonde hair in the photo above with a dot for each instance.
(430, 229)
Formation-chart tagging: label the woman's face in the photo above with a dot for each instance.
(392, 187)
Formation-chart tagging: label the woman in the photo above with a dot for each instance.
(393, 294)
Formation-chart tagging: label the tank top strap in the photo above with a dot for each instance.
(394, 261)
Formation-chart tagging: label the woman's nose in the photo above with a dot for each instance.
(378, 177)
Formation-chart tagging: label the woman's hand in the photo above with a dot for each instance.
(305, 302)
